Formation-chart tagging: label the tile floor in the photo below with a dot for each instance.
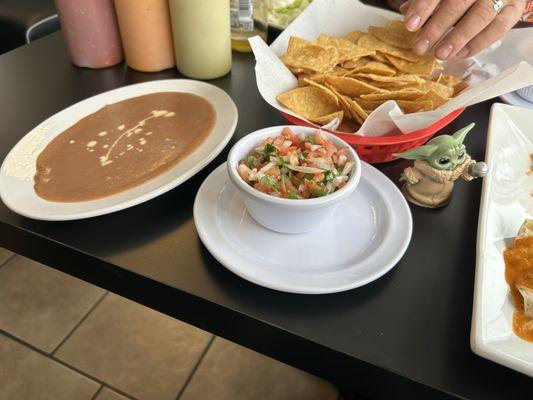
(61, 338)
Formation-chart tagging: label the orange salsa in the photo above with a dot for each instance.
(519, 273)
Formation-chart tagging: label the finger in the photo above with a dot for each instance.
(444, 18)
(404, 7)
(480, 15)
(495, 31)
(418, 13)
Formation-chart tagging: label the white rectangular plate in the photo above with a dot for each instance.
(506, 201)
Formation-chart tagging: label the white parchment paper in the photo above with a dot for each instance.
(504, 67)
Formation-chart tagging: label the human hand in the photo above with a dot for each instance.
(476, 24)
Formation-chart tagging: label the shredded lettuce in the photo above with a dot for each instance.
(284, 14)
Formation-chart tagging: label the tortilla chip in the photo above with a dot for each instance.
(411, 79)
(353, 36)
(423, 66)
(371, 42)
(326, 119)
(339, 71)
(394, 33)
(435, 97)
(297, 44)
(320, 86)
(377, 68)
(351, 64)
(456, 84)
(442, 90)
(300, 71)
(310, 56)
(309, 102)
(409, 106)
(349, 86)
(303, 78)
(347, 49)
(403, 94)
(379, 57)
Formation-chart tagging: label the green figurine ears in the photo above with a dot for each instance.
(460, 135)
(440, 143)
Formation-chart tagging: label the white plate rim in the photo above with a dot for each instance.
(513, 99)
(477, 343)
(5, 196)
(224, 261)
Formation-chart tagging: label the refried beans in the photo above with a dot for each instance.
(122, 145)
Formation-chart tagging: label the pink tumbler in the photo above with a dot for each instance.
(91, 32)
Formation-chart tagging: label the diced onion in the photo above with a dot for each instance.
(305, 170)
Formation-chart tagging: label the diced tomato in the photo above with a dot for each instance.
(289, 134)
(319, 177)
(244, 172)
(343, 151)
(260, 187)
(320, 138)
(267, 141)
(330, 148)
(341, 185)
(274, 171)
(300, 175)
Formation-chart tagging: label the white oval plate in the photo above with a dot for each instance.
(18, 169)
(365, 238)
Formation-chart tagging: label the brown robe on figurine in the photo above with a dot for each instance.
(443, 160)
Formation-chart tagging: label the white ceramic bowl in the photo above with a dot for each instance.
(285, 215)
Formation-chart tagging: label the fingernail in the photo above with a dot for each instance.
(413, 22)
(464, 52)
(444, 51)
(421, 46)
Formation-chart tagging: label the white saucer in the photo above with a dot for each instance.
(515, 100)
(367, 235)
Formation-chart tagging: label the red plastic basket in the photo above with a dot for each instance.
(380, 149)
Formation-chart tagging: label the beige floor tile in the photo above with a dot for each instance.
(27, 375)
(231, 372)
(108, 394)
(137, 350)
(4, 255)
(40, 305)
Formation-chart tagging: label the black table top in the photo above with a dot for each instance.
(406, 334)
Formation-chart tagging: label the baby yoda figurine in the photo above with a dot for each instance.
(429, 182)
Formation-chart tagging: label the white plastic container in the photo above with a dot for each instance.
(285, 215)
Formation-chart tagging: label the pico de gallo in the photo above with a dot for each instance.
(294, 166)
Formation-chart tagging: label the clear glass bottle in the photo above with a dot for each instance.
(248, 18)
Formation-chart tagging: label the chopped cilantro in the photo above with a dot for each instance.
(293, 194)
(310, 139)
(305, 154)
(319, 192)
(269, 181)
(250, 162)
(268, 150)
(328, 176)
(309, 176)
